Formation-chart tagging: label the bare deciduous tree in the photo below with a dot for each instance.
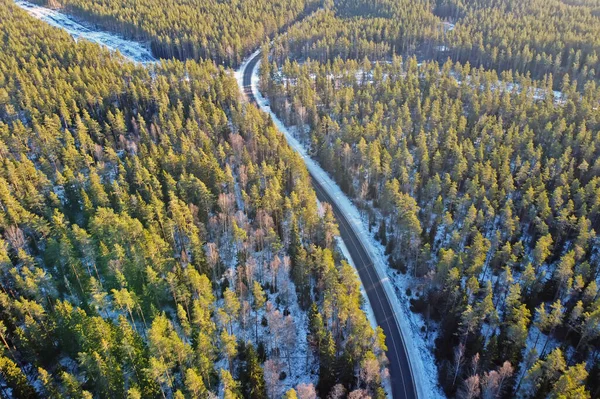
(489, 384)
(272, 369)
(306, 391)
(470, 388)
(359, 394)
(459, 358)
(337, 392)
(369, 371)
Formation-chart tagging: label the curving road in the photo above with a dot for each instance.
(401, 375)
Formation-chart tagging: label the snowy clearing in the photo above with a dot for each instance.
(134, 51)
(420, 357)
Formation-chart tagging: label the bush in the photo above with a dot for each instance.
(398, 265)
(418, 305)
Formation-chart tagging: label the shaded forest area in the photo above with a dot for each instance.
(538, 37)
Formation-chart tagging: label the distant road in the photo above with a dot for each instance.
(401, 376)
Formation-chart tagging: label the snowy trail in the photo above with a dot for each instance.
(134, 51)
(423, 372)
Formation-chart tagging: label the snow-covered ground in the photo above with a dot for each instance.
(239, 76)
(134, 51)
(302, 366)
(420, 356)
(448, 26)
(366, 77)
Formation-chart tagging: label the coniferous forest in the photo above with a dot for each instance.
(159, 238)
(479, 175)
(535, 37)
(154, 243)
(484, 189)
(224, 31)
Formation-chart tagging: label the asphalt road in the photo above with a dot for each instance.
(401, 377)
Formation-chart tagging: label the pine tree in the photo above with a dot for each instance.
(327, 360)
(253, 384)
(16, 379)
(571, 384)
(259, 301)
(230, 386)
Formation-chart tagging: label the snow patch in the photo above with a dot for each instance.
(448, 26)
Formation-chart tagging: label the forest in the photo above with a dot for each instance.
(539, 37)
(468, 137)
(223, 31)
(154, 242)
(160, 239)
(485, 191)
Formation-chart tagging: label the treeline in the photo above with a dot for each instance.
(486, 190)
(540, 37)
(354, 29)
(537, 37)
(153, 242)
(225, 32)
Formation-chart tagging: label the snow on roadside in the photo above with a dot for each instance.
(134, 51)
(368, 309)
(139, 53)
(239, 76)
(425, 373)
(420, 357)
(239, 73)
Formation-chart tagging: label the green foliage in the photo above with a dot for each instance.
(16, 379)
(252, 375)
(539, 37)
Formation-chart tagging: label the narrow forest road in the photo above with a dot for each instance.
(401, 373)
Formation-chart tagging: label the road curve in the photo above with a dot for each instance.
(401, 375)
